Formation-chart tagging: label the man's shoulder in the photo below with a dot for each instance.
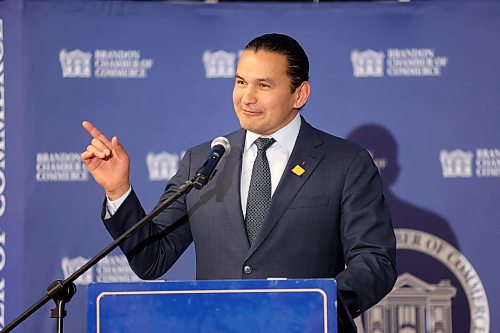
(332, 142)
(235, 138)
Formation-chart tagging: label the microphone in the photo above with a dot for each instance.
(220, 148)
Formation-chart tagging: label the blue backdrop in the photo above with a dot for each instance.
(415, 83)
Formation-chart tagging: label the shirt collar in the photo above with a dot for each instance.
(285, 136)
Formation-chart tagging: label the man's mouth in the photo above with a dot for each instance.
(251, 113)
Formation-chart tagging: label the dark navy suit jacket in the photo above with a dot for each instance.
(332, 216)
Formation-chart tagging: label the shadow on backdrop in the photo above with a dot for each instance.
(384, 149)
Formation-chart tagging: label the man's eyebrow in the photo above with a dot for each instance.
(260, 80)
(267, 80)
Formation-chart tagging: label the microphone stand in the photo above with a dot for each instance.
(61, 291)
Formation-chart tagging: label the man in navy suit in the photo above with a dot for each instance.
(327, 217)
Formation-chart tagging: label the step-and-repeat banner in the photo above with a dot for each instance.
(416, 83)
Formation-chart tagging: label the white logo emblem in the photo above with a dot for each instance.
(419, 307)
(121, 64)
(69, 266)
(75, 63)
(416, 305)
(112, 268)
(457, 163)
(367, 63)
(488, 162)
(60, 167)
(408, 62)
(162, 166)
(219, 64)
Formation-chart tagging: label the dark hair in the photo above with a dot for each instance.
(298, 63)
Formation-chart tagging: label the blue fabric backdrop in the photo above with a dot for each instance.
(415, 83)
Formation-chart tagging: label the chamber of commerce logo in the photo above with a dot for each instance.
(162, 166)
(121, 64)
(483, 162)
(219, 64)
(367, 63)
(398, 63)
(456, 163)
(112, 268)
(60, 167)
(417, 306)
(75, 63)
(70, 265)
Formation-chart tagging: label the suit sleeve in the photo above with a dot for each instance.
(155, 247)
(368, 238)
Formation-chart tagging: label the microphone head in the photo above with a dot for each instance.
(222, 141)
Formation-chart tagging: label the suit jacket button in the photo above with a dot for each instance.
(247, 269)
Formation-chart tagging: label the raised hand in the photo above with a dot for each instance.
(108, 162)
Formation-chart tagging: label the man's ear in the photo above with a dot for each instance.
(302, 94)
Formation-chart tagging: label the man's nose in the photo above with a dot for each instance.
(249, 96)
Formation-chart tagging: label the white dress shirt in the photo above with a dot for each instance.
(277, 155)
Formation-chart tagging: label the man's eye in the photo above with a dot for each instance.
(264, 85)
(240, 82)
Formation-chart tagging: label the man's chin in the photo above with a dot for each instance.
(251, 127)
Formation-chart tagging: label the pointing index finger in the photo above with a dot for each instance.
(96, 133)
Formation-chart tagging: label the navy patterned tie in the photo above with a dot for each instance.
(259, 192)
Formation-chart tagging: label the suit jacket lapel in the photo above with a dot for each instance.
(232, 166)
(306, 154)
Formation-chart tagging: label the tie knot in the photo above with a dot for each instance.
(264, 143)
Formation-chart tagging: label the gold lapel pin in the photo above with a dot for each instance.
(298, 170)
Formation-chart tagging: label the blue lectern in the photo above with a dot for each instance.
(214, 306)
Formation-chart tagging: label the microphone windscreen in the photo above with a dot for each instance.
(222, 141)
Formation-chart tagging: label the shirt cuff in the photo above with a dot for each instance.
(113, 205)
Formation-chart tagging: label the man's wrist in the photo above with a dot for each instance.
(112, 206)
(118, 192)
